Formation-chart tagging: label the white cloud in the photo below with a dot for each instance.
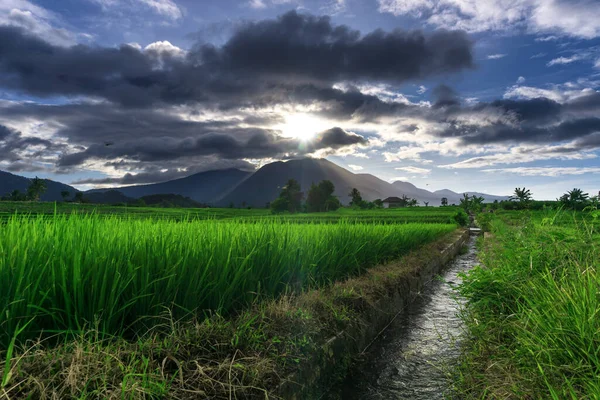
(355, 167)
(559, 93)
(36, 20)
(164, 48)
(399, 178)
(166, 8)
(546, 38)
(521, 154)
(422, 89)
(538, 55)
(257, 4)
(578, 19)
(414, 170)
(545, 171)
(597, 63)
(496, 56)
(564, 60)
(521, 79)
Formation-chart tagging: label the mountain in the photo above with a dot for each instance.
(10, 182)
(266, 183)
(224, 187)
(204, 187)
(454, 198)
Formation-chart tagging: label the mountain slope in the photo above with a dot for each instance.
(204, 187)
(266, 183)
(10, 182)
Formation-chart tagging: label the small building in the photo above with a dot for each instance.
(393, 202)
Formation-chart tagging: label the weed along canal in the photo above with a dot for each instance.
(412, 357)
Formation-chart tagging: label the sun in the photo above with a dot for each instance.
(303, 127)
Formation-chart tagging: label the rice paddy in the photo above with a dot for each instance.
(65, 273)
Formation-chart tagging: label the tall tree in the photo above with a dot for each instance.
(78, 197)
(290, 198)
(356, 197)
(465, 202)
(64, 194)
(444, 201)
(36, 188)
(320, 197)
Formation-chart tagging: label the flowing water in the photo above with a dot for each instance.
(410, 360)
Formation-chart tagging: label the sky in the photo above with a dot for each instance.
(468, 95)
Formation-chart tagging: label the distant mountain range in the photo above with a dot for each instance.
(10, 182)
(224, 187)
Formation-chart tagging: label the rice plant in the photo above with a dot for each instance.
(65, 273)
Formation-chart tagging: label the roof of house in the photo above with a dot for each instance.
(392, 199)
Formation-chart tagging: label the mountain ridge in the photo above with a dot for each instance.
(256, 189)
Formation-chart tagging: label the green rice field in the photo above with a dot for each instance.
(67, 272)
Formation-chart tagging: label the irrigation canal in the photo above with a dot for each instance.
(411, 359)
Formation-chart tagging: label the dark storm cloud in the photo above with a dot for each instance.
(337, 137)
(539, 120)
(304, 47)
(260, 143)
(13, 143)
(166, 172)
(444, 96)
(261, 62)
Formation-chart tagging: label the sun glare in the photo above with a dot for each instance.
(303, 126)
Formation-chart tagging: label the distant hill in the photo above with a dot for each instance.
(265, 184)
(10, 182)
(204, 187)
(107, 197)
(223, 187)
(171, 200)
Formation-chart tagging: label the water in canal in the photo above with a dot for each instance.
(411, 359)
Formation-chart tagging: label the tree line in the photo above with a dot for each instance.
(320, 198)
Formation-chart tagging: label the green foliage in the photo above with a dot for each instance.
(65, 194)
(533, 310)
(357, 199)
(320, 197)
(523, 196)
(575, 199)
(36, 188)
(444, 201)
(68, 272)
(79, 197)
(461, 218)
(290, 198)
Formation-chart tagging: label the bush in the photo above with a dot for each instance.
(461, 218)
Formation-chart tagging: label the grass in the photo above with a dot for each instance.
(533, 311)
(393, 216)
(72, 273)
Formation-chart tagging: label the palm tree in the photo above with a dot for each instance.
(523, 195)
(574, 198)
(426, 203)
(36, 188)
(465, 202)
